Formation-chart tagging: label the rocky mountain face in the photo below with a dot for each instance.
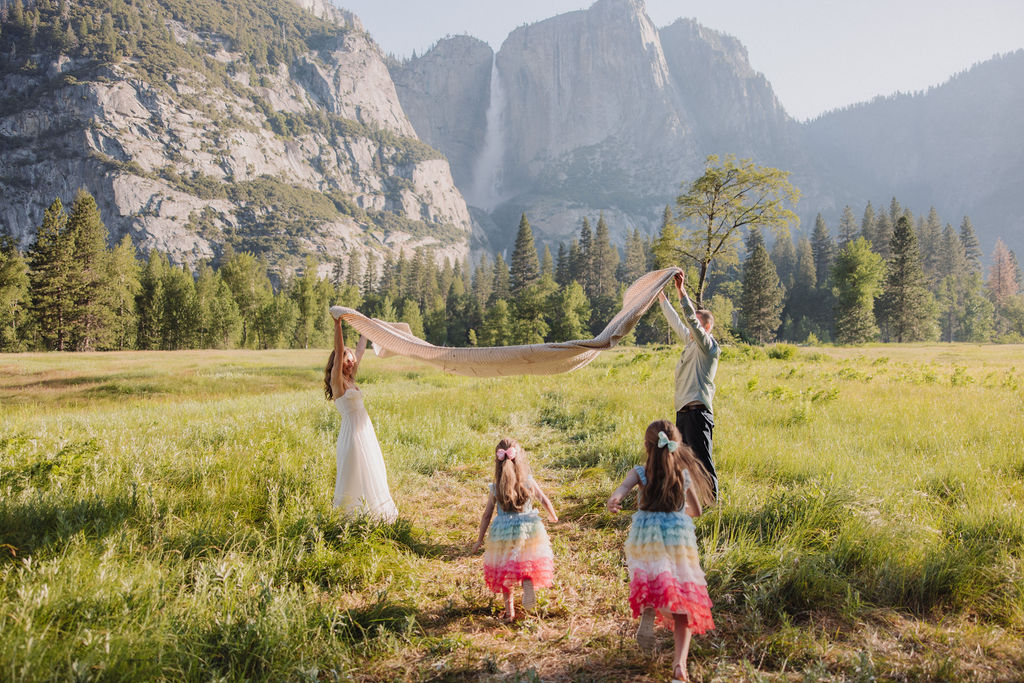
(447, 89)
(599, 110)
(196, 133)
(602, 111)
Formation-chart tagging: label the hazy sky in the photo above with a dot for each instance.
(818, 54)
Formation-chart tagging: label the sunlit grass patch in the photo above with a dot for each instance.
(168, 516)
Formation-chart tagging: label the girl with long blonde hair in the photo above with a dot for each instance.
(518, 550)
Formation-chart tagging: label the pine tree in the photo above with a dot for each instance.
(525, 267)
(246, 276)
(895, 211)
(977, 320)
(220, 323)
(847, 227)
(761, 302)
(583, 268)
(1002, 276)
(435, 325)
(800, 312)
(483, 279)
(181, 313)
(369, 285)
(495, 329)
(824, 251)
(412, 315)
(123, 279)
(150, 302)
(907, 306)
(91, 316)
(445, 277)
(857, 274)
(604, 261)
(972, 249)
(18, 14)
(784, 258)
(501, 287)
(635, 262)
(354, 276)
(387, 310)
(575, 261)
(666, 247)
(883, 233)
(569, 312)
(930, 240)
(14, 296)
(276, 320)
(868, 225)
(50, 260)
(563, 268)
(467, 276)
(951, 285)
(388, 276)
(547, 266)
(308, 307)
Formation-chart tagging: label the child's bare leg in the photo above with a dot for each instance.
(529, 594)
(510, 606)
(681, 633)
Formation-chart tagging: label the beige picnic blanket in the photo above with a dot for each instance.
(391, 338)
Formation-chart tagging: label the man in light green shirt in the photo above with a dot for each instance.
(695, 376)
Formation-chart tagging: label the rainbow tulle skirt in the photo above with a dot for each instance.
(517, 548)
(664, 569)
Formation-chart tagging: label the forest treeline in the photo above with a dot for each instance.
(890, 276)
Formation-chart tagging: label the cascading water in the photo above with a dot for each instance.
(486, 189)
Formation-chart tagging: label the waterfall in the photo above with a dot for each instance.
(485, 192)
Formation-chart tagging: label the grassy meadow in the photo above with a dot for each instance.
(168, 516)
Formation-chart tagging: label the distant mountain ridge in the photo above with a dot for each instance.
(958, 146)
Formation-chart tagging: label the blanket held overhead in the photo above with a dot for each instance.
(529, 359)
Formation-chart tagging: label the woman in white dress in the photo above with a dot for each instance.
(361, 486)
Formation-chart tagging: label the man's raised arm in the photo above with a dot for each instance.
(672, 318)
(700, 335)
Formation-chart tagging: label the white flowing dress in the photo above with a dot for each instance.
(361, 486)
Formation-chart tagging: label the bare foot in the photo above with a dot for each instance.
(645, 634)
(679, 674)
(529, 594)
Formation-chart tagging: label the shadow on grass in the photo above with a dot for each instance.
(589, 511)
(40, 524)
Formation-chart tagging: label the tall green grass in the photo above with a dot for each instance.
(168, 516)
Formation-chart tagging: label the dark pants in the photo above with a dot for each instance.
(696, 426)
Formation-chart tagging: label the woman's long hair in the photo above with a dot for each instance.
(512, 487)
(665, 490)
(328, 392)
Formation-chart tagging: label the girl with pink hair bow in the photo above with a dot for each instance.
(518, 550)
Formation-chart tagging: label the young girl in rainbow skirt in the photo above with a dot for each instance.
(517, 550)
(666, 582)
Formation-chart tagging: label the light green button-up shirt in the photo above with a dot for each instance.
(695, 371)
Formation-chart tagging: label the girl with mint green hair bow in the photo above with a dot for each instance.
(666, 582)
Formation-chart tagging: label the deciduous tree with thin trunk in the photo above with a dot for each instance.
(730, 197)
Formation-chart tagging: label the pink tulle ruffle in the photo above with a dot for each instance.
(667, 595)
(510, 575)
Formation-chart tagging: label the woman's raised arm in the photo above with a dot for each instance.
(337, 381)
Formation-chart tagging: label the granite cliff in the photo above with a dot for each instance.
(283, 135)
(600, 111)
